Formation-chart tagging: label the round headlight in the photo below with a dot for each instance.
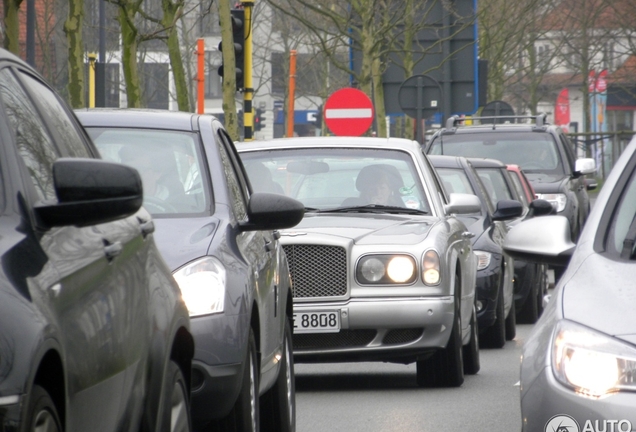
(400, 269)
(431, 277)
(373, 269)
(430, 264)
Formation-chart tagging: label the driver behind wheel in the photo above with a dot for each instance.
(149, 170)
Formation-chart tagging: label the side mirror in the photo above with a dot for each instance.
(543, 240)
(541, 207)
(463, 204)
(268, 211)
(89, 192)
(507, 209)
(585, 166)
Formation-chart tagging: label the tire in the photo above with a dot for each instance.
(511, 322)
(42, 412)
(495, 335)
(176, 409)
(529, 313)
(445, 368)
(244, 416)
(278, 404)
(471, 351)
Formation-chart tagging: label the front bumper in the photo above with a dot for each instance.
(217, 367)
(378, 329)
(10, 412)
(545, 398)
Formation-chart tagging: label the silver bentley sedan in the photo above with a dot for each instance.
(382, 270)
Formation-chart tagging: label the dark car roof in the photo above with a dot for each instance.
(486, 163)
(443, 161)
(144, 118)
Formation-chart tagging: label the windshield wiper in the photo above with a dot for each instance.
(311, 210)
(375, 208)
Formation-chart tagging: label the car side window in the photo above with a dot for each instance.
(34, 144)
(521, 194)
(57, 116)
(569, 153)
(239, 201)
(495, 184)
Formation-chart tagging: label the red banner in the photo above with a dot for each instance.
(562, 109)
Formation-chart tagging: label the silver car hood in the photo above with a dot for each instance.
(601, 294)
(366, 228)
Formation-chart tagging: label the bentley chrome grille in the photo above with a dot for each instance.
(317, 271)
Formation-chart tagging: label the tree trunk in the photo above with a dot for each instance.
(73, 31)
(129, 32)
(378, 93)
(229, 71)
(171, 12)
(12, 26)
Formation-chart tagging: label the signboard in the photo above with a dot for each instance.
(348, 111)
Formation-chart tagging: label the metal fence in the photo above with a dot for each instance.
(605, 148)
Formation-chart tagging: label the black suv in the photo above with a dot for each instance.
(542, 151)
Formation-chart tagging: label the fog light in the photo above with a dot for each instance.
(479, 305)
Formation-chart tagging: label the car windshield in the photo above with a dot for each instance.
(168, 162)
(340, 179)
(534, 152)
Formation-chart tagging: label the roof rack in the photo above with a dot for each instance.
(540, 119)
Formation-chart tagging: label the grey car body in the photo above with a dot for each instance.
(402, 322)
(221, 224)
(580, 357)
(93, 331)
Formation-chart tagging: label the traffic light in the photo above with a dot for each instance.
(238, 24)
(259, 119)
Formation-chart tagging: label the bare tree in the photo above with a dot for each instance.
(12, 25)
(73, 30)
(229, 70)
(128, 11)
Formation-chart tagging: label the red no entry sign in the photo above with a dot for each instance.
(348, 111)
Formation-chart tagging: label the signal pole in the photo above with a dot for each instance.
(248, 92)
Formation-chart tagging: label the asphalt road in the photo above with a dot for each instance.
(374, 397)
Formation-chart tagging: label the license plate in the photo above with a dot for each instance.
(317, 322)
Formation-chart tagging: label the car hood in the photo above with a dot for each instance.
(545, 183)
(367, 228)
(601, 294)
(181, 240)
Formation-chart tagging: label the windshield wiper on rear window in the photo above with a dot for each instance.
(375, 208)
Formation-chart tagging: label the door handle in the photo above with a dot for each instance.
(111, 250)
(147, 226)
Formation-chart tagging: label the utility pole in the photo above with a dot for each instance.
(30, 33)
(100, 66)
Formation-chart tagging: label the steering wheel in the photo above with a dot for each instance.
(157, 205)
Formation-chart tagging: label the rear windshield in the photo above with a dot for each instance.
(532, 151)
